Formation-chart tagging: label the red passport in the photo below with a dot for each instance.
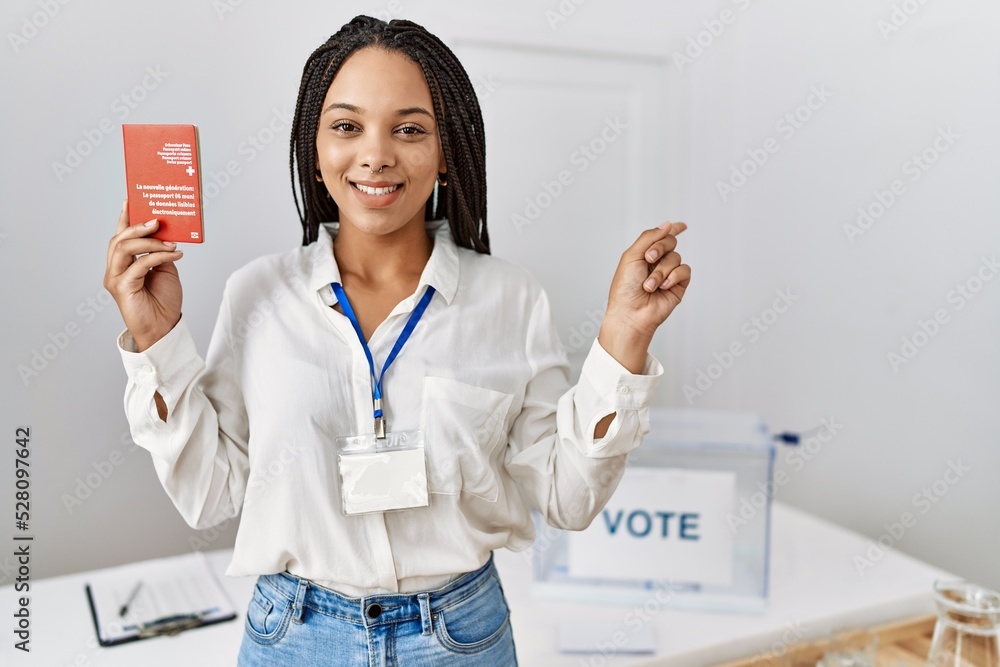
(163, 176)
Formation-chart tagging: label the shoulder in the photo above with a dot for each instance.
(270, 276)
(517, 286)
(479, 268)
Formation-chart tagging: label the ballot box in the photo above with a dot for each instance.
(687, 526)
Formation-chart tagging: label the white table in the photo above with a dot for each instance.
(815, 588)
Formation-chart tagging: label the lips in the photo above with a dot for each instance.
(377, 194)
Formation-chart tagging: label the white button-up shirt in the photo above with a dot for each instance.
(253, 426)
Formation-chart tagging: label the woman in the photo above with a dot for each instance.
(372, 500)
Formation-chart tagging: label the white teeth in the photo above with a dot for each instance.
(375, 191)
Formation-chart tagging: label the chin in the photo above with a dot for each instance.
(374, 222)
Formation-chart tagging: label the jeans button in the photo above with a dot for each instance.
(374, 610)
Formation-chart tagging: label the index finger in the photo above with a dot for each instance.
(674, 228)
(637, 251)
(123, 218)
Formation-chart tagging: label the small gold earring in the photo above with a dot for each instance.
(319, 176)
(442, 181)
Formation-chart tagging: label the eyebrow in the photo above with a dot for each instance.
(358, 110)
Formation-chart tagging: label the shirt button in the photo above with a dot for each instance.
(374, 610)
(147, 369)
(624, 390)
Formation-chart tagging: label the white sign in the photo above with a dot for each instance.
(661, 524)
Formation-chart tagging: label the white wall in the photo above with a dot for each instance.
(236, 74)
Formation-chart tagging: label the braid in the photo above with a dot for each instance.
(463, 201)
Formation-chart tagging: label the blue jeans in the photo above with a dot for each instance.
(292, 621)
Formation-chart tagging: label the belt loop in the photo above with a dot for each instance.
(426, 624)
(300, 597)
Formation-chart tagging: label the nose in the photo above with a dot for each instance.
(375, 152)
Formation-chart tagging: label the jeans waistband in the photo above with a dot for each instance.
(379, 608)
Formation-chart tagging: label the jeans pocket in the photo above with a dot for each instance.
(267, 615)
(476, 625)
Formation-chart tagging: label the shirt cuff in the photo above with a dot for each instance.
(616, 384)
(607, 387)
(163, 360)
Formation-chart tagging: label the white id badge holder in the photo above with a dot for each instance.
(382, 474)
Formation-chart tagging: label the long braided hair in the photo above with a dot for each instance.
(463, 200)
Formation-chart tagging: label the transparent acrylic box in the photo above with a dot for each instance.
(695, 440)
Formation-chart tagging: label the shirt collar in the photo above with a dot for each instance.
(441, 270)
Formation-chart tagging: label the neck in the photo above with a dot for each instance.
(382, 259)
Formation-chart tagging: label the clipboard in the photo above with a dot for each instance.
(165, 596)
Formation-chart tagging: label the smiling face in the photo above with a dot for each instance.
(378, 113)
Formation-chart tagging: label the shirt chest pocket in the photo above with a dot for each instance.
(463, 425)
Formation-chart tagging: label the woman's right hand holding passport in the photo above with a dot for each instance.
(142, 278)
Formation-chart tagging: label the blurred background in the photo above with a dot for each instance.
(836, 164)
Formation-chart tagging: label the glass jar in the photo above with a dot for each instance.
(967, 632)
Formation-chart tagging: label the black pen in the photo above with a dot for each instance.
(135, 589)
(171, 625)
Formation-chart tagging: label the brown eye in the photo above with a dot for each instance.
(416, 130)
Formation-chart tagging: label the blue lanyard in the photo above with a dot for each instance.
(403, 336)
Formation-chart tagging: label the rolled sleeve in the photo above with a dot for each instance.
(168, 367)
(607, 387)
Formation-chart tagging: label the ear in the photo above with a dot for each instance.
(442, 164)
